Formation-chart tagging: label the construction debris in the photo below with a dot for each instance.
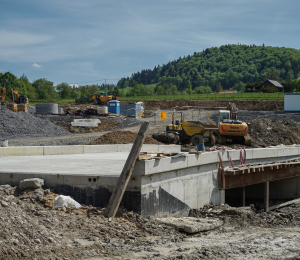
(191, 225)
(33, 183)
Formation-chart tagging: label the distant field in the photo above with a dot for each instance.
(216, 96)
(235, 96)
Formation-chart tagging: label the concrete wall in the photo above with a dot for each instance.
(81, 149)
(175, 192)
(171, 186)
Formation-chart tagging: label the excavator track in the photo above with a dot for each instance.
(247, 140)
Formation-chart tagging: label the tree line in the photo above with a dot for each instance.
(45, 89)
(229, 67)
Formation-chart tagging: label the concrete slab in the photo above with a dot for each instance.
(105, 164)
(97, 121)
(84, 124)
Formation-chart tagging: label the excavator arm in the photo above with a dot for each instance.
(15, 96)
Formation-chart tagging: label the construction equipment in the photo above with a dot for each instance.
(103, 98)
(230, 128)
(195, 132)
(83, 100)
(3, 94)
(16, 98)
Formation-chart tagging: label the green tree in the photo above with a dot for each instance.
(64, 90)
(239, 87)
(219, 87)
(45, 89)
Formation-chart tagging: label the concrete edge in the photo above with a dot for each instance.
(81, 149)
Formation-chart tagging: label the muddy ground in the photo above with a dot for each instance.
(32, 229)
(121, 137)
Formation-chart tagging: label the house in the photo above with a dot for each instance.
(273, 83)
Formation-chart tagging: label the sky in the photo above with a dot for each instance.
(85, 42)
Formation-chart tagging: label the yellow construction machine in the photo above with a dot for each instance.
(3, 94)
(103, 98)
(195, 132)
(16, 98)
(230, 128)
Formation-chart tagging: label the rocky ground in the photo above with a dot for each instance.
(32, 229)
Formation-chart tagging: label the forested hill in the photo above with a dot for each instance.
(229, 65)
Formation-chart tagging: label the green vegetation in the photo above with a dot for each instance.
(231, 96)
(230, 67)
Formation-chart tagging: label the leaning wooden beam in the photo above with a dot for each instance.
(124, 178)
(282, 205)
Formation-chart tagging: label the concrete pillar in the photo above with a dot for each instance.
(244, 196)
(266, 196)
(222, 196)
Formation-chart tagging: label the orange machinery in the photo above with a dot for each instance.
(230, 128)
(3, 94)
(103, 98)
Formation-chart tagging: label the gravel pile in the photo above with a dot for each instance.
(31, 109)
(24, 125)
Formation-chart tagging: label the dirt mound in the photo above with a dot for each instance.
(32, 229)
(121, 137)
(103, 126)
(254, 105)
(266, 132)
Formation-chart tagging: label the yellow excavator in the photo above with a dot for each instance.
(230, 128)
(3, 94)
(16, 98)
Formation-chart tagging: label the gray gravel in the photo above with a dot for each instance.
(24, 125)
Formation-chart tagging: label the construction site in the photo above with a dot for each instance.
(196, 179)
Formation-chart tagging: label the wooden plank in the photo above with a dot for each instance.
(164, 152)
(144, 157)
(124, 178)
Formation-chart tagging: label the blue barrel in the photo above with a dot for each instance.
(114, 107)
(200, 147)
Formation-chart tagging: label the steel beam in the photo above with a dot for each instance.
(240, 180)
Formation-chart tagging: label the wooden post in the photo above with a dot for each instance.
(244, 196)
(266, 197)
(124, 178)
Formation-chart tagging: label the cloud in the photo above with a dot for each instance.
(35, 65)
(21, 38)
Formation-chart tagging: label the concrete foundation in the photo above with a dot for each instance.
(163, 187)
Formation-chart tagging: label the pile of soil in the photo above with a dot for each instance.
(32, 229)
(254, 105)
(267, 132)
(122, 137)
(102, 127)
